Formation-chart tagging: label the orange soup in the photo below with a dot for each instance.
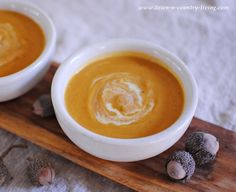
(125, 95)
(21, 42)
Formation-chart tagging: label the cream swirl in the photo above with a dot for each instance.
(10, 44)
(120, 98)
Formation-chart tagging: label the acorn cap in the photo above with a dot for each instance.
(5, 176)
(180, 166)
(202, 146)
(41, 171)
(4, 173)
(43, 106)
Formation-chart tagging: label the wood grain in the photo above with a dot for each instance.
(148, 175)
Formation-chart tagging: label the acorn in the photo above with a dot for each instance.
(43, 106)
(180, 166)
(4, 173)
(5, 176)
(40, 171)
(202, 146)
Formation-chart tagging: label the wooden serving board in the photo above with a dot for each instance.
(147, 175)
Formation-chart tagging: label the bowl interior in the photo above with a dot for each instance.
(80, 59)
(42, 19)
(32, 12)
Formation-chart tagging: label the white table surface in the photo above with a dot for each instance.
(204, 40)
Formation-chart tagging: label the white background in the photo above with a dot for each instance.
(204, 40)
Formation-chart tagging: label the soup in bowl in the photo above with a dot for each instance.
(124, 100)
(125, 95)
(27, 42)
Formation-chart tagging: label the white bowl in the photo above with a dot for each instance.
(122, 150)
(16, 84)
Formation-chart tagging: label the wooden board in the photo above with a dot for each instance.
(147, 175)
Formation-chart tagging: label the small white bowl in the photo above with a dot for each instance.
(16, 84)
(122, 150)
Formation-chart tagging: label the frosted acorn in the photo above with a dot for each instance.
(202, 146)
(4, 173)
(5, 176)
(180, 166)
(40, 171)
(43, 106)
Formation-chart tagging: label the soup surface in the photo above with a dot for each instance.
(125, 95)
(21, 42)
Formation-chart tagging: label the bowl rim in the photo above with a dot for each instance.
(61, 108)
(50, 37)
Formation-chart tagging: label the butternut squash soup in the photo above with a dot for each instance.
(125, 95)
(21, 42)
